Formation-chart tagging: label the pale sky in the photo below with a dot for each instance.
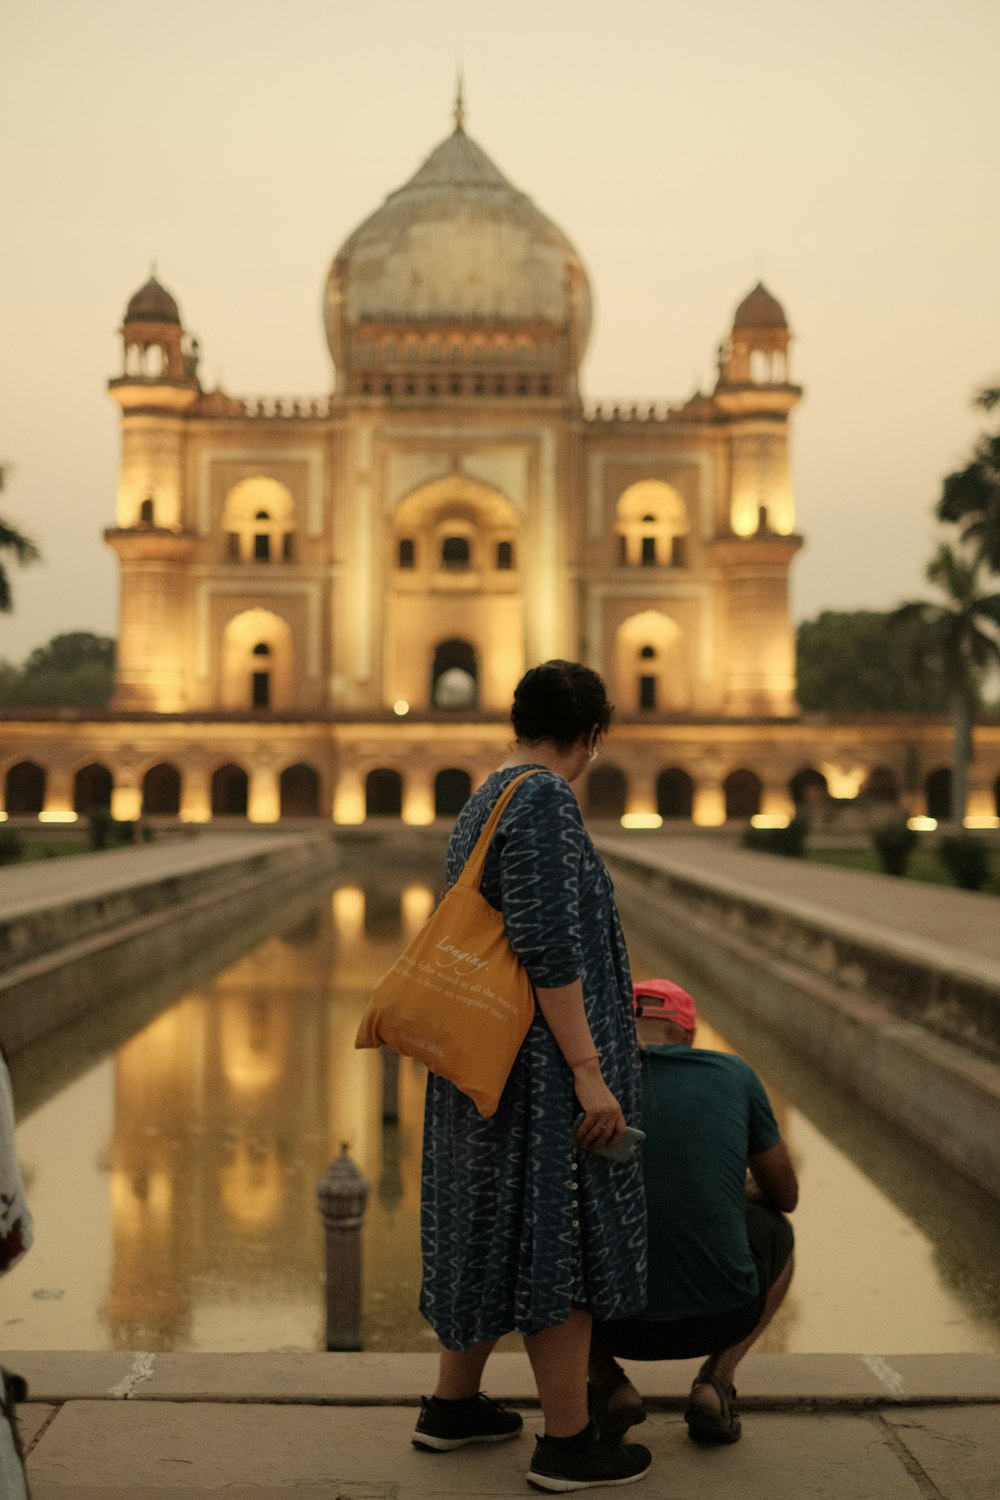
(848, 154)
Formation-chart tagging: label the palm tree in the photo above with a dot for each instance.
(970, 497)
(12, 540)
(965, 631)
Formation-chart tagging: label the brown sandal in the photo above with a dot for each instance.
(613, 1425)
(704, 1424)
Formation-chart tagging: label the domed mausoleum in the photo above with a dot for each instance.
(326, 602)
(457, 269)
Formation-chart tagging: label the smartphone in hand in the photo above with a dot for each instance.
(621, 1150)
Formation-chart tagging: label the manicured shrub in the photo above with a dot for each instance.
(966, 861)
(789, 841)
(894, 842)
(11, 846)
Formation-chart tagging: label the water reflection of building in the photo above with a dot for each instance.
(292, 571)
(227, 1109)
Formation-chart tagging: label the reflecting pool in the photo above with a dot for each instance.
(172, 1148)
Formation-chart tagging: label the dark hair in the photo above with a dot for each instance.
(560, 701)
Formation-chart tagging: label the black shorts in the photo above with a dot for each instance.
(771, 1240)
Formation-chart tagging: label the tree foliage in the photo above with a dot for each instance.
(964, 646)
(862, 661)
(75, 670)
(16, 543)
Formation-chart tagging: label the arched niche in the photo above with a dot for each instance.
(675, 793)
(257, 667)
(452, 790)
(606, 792)
(937, 790)
(383, 793)
(161, 791)
(808, 787)
(258, 519)
(651, 522)
(299, 791)
(455, 675)
(880, 785)
(650, 669)
(742, 790)
(24, 789)
(455, 524)
(230, 792)
(92, 788)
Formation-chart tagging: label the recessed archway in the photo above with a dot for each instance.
(742, 790)
(455, 675)
(606, 792)
(25, 789)
(452, 790)
(674, 793)
(808, 787)
(161, 791)
(257, 662)
(938, 793)
(92, 788)
(298, 790)
(383, 793)
(650, 671)
(230, 792)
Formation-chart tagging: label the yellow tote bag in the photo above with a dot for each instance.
(458, 999)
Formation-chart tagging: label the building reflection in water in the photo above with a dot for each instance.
(228, 1107)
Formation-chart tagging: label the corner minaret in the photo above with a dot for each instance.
(158, 385)
(757, 538)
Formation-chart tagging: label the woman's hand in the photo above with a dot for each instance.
(604, 1123)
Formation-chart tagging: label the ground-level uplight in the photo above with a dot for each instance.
(641, 820)
(922, 825)
(400, 708)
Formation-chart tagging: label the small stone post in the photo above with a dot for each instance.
(343, 1196)
(390, 1086)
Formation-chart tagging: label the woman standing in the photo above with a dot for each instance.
(522, 1228)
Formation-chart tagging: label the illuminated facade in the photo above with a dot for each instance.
(326, 604)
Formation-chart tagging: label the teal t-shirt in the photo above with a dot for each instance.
(703, 1113)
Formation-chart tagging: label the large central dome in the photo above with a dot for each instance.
(458, 243)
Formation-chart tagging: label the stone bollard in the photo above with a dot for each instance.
(343, 1196)
(390, 1085)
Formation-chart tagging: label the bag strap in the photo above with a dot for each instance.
(474, 865)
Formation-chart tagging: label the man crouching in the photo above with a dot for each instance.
(720, 1247)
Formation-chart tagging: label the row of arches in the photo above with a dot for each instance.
(160, 790)
(604, 793)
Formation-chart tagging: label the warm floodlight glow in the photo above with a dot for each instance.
(768, 820)
(982, 821)
(641, 820)
(922, 825)
(57, 817)
(400, 707)
(3, 817)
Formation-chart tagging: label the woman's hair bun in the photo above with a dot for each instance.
(560, 701)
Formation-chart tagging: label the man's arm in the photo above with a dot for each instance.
(774, 1181)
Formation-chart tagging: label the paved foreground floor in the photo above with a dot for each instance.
(266, 1427)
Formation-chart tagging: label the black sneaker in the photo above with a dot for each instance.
(444, 1425)
(603, 1463)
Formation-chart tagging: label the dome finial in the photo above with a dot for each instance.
(460, 101)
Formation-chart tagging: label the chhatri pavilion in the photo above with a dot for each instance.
(326, 604)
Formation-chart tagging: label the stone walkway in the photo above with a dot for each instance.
(47, 883)
(120, 1426)
(909, 912)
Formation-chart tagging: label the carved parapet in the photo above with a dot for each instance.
(288, 408)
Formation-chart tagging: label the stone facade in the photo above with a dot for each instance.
(315, 591)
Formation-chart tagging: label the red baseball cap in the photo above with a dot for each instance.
(662, 1000)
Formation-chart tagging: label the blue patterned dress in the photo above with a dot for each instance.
(517, 1226)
